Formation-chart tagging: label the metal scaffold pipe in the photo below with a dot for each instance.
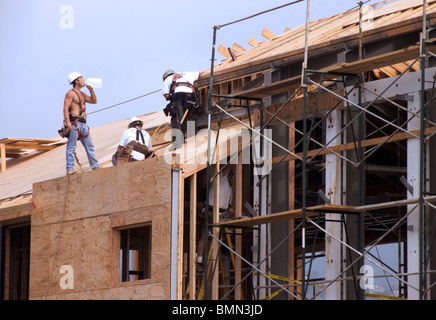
(305, 145)
(422, 273)
(209, 118)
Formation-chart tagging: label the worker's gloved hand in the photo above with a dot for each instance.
(127, 149)
(169, 110)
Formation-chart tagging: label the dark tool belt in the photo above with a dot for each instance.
(78, 118)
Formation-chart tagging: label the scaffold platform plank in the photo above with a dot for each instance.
(316, 210)
(287, 215)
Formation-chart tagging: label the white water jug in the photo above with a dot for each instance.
(94, 82)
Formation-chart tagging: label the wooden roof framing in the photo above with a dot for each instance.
(387, 19)
(18, 147)
(355, 67)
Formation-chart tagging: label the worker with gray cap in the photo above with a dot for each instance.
(179, 90)
(75, 121)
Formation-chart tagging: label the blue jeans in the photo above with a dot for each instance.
(86, 140)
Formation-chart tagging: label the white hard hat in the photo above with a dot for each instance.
(73, 76)
(134, 119)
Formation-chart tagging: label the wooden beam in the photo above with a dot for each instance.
(179, 240)
(387, 10)
(253, 42)
(238, 236)
(224, 51)
(39, 141)
(193, 236)
(287, 215)
(29, 146)
(17, 147)
(314, 211)
(268, 34)
(3, 157)
(238, 49)
(364, 143)
(392, 204)
(382, 60)
(16, 206)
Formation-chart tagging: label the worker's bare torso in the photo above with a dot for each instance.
(76, 104)
(75, 100)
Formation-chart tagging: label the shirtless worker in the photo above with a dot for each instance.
(75, 121)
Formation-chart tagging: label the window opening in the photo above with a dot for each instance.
(135, 253)
(15, 262)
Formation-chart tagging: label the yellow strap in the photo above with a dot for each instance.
(106, 163)
(272, 295)
(167, 123)
(277, 277)
(383, 297)
(77, 160)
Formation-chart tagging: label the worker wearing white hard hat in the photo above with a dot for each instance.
(135, 143)
(135, 121)
(73, 76)
(75, 121)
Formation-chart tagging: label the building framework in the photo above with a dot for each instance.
(358, 118)
(330, 133)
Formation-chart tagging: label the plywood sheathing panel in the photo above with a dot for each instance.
(130, 291)
(40, 257)
(83, 233)
(193, 156)
(82, 244)
(158, 182)
(105, 193)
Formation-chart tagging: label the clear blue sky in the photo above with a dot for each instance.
(129, 44)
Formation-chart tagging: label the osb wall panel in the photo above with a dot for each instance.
(78, 225)
(143, 289)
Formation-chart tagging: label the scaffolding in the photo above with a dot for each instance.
(357, 115)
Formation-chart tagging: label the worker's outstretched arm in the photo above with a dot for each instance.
(90, 99)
